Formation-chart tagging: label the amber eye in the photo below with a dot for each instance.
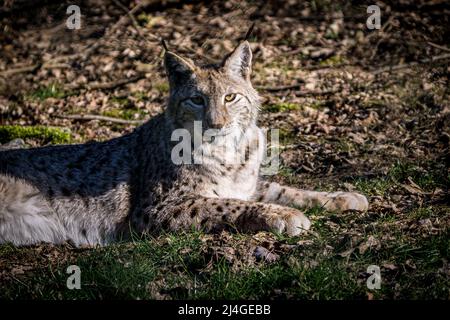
(230, 97)
(198, 100)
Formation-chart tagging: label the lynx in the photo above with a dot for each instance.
(101, 192)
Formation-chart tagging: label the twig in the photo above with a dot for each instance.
(438, 46)
(106, 86)
(130, 14)
(90, 117)
(315, 93)
(10, 72)
(322, 67)
(411, 64)
(91, 49)
(280, 88)
(33, 68)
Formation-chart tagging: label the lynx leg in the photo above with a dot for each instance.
(334, 201)
(214, 214)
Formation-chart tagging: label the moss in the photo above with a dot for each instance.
(120, 101)
(140, 95)
(318, 105)
(43, 134)
(281, 107)
(333, 60)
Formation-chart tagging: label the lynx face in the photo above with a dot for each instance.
(220, 96)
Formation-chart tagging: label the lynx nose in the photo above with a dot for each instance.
(216, 119)
(216, 125)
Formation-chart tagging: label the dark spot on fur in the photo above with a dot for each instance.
(165, 225)
(65, 192)
(50, 192)
(279, 196)
(194, 212)
(176, 213)
(70, 175)
(191, 202)
(219, 209)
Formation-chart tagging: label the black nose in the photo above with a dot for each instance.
(216, 125)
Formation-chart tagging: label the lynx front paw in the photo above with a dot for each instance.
(290, 221)
(342, 201)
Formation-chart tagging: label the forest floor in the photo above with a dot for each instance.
(347, 121)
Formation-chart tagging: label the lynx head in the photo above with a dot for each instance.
(220, 96)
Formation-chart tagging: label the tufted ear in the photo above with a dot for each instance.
(239, 62)
(178, 69)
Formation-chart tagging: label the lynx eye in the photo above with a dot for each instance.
(230, 97)
(197, 100)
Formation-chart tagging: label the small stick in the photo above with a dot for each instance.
(33, 68)
(314, 93)
(107, 85)
(411, 64)
(280, 88)
(90, 117)
(438, 46)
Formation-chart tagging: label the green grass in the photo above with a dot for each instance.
(426, 176)
(178, 268)
(53, 90)
(40, 133)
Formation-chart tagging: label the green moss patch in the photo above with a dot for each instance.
(281, 107)
(42, 134)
